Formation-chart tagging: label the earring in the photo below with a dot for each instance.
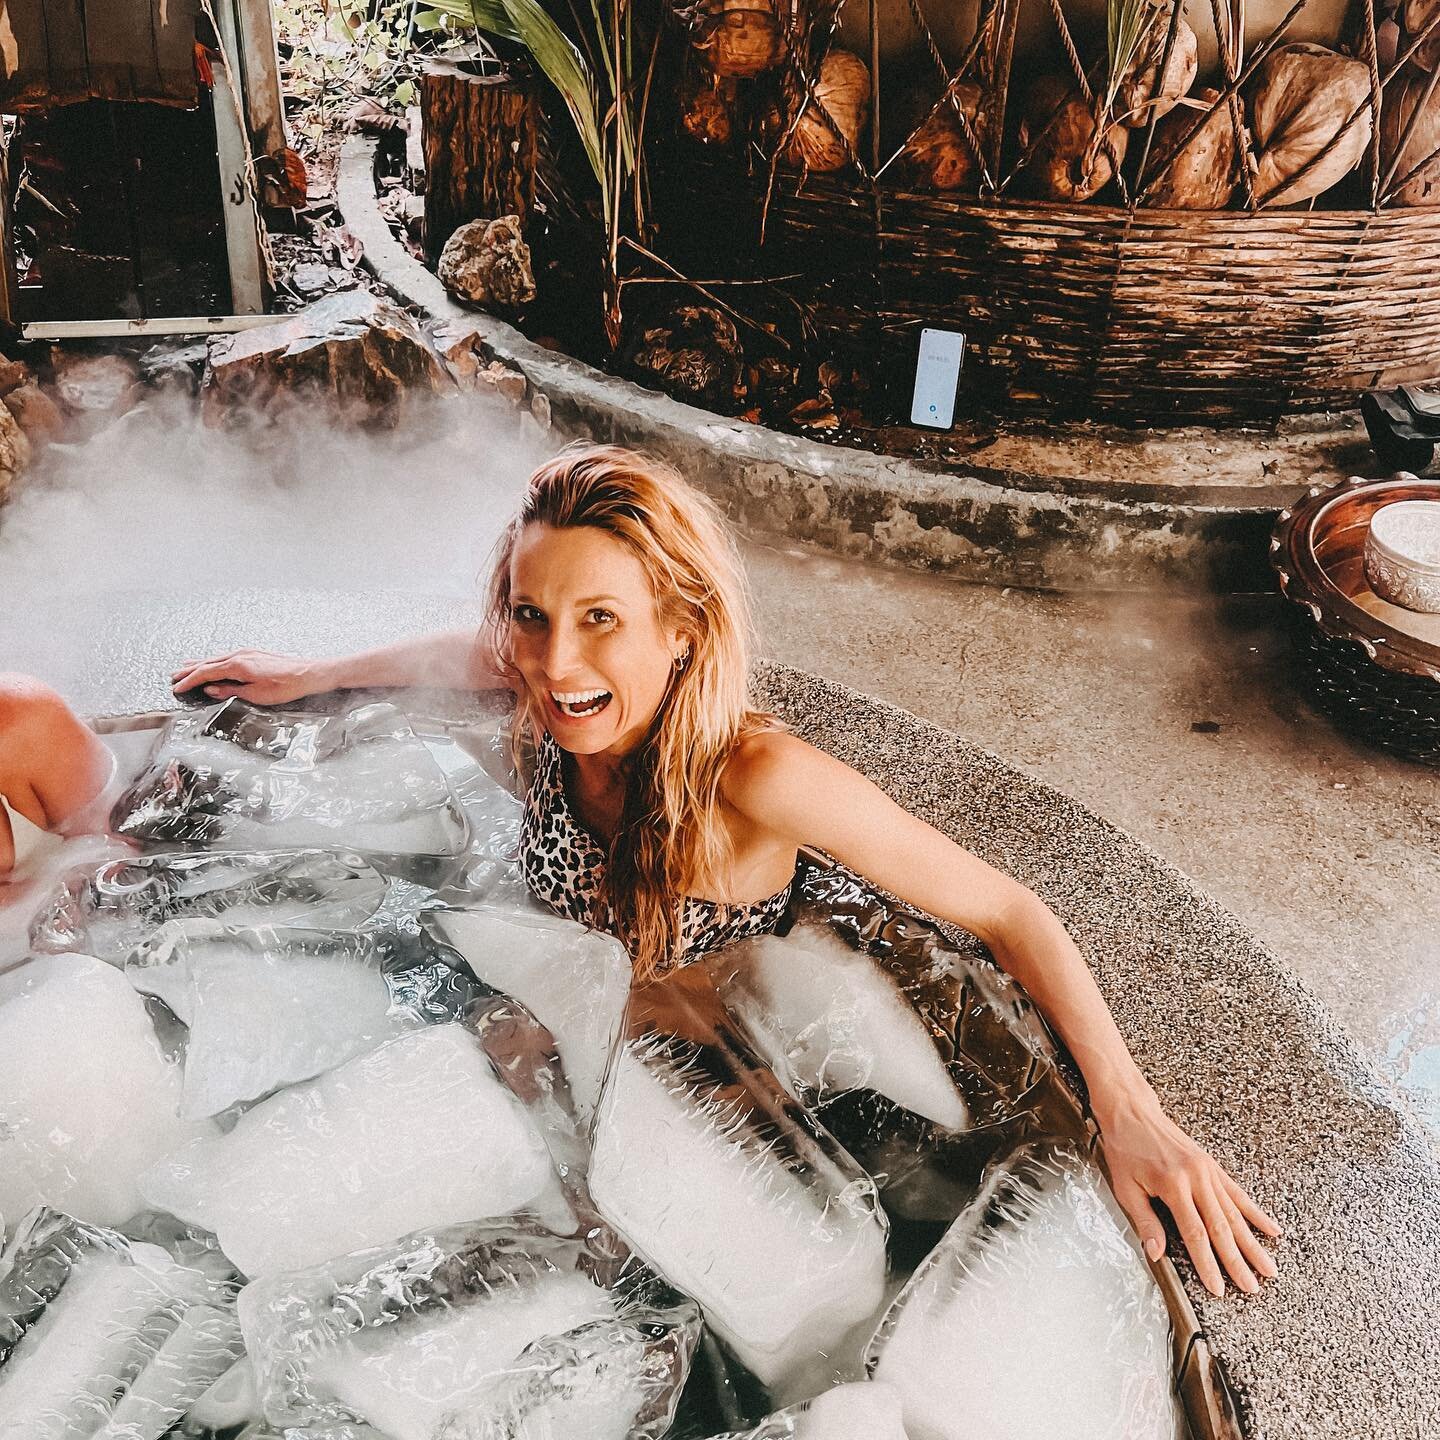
(680, 661)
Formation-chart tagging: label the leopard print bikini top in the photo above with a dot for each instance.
(564, 866)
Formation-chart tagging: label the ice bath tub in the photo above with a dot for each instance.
(967, 1075)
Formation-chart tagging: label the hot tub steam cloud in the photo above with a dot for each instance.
(136, 524)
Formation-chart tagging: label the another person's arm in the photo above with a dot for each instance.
(449, 660)
(52, 765)
(809, 797)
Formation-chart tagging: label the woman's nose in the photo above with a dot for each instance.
(562, 651)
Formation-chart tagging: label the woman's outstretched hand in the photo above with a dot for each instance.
(255, 675)
(1150, 1157)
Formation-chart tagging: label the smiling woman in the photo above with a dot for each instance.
(666, 809)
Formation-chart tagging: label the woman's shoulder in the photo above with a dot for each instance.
(764, 762)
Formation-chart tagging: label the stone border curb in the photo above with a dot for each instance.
(785, 489)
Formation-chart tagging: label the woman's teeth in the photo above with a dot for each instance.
(580, 702)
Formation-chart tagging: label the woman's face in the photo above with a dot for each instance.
(587, 637)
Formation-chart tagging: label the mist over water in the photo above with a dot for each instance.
(158, 513)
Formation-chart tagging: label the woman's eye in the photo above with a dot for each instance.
(602, 617)
(526, 615)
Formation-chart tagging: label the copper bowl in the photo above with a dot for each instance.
(1373, 666)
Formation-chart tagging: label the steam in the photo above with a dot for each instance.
(159, 535)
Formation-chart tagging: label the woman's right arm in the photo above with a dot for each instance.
(450, 660)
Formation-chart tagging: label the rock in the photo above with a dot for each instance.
(510, 383)
(463, 346)
(311, 279)
(540, 408)
(13, 374)
(95, 385)
(39, 416)
(175, 365)
(487, 262)
(359, 353)
(14, 450)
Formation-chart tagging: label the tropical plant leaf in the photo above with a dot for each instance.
(482, 14)
(566, 69)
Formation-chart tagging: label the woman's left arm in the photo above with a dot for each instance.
(809, 797)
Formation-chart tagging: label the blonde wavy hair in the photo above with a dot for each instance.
(671, 841)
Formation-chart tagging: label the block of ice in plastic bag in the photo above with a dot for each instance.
(862, 1410)
(202, 1347)
(88, 1097)
(414, 1133)
(452, 1327)
(1035, 1316)
(230, 1402)
(242, 778)
(267, 1007)
(610, 1380)
(573, 980)
(752, 1210)
(100, 1336)
(108, 910)
(828, 1018)
(995, 1047)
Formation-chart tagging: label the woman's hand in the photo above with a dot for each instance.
(1150, 1157)
(255, 675)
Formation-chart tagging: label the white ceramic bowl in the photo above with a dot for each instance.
(1402, 554)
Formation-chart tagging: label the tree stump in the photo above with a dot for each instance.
(481, 135)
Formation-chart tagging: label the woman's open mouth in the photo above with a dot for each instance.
(580, 704)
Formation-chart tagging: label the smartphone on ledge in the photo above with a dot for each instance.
(937, 377)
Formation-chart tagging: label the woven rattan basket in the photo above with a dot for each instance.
(1374, 668)
(1137, 315)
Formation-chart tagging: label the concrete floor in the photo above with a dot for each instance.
(1328, 851)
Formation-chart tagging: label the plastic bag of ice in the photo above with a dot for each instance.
(269, 1007)
(862, 1410)
(106, 911)
(610, 1380)
(88, 1097)
(573, 980)
(451, 1328)
(752, 1209)
(995, 1048)
(414, 1133)
(243, 778)
(1035, 1316)
(828, 1018)
(102, 1337)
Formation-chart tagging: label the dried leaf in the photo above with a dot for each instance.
(1303, 95)
(370, 117)
(816, 414)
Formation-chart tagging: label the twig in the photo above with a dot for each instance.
(1171, 34)
(1230, 59)
(702, 287)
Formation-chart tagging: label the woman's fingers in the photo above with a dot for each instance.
(1141, 1213)
(211, 672)
(1257, 1217)
(1196, 1237)
(1223, 1242)
(1256, 1255)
